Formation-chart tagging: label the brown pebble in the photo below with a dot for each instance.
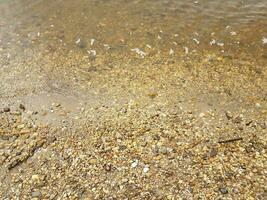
(237, 120)
(107, 167)
(213, 152)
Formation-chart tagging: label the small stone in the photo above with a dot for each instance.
(156, 137)
(108, 167)
(262, 125)
(202, 115)
(213, 152)
(223, 190)
(143, 143)
(6, 109)
(122, 147)
(36, 194)
(81, 43)
(44, 113)
(35, 178)
(146, 169)
(155, 150)
(134, 164)
(16, 113)
(93, 161)
(163, 150)
(152, 95)
(29, 112)
(21, 126)
(56, 105)
(237, 120)
(22, 107)
(51, 139)
(229, 115)
(248, 123)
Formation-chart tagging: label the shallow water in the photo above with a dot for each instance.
(166, 68)
(166, 26)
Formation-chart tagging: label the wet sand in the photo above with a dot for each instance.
(133, 99)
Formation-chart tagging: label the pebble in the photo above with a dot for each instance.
(237, 120)
(163, 150)
(16, 113)
(262, 125)
(80, 43)
(213, 152)
(134, 164)
(202, 115)
(35, 178)
(146, 169)
(223, 190)
(6, 109)
(108, 167)
(21, 126)
(229, 115)
(36, 194)
(258, 105)
(22, 107)
(171, 52)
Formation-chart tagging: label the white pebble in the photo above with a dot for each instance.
(106, 46)
(212, 42)
(196, 40)
(134, 164)
(139, 52)
(92, 42)
(146, 169)
(233, 33)
(78, 41)
(92, 52)
(221, 44)
(186, 50)
(148, 46)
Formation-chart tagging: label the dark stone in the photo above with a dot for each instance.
(156, 137)
(6, 109)
(248, 123)
(22, 107)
